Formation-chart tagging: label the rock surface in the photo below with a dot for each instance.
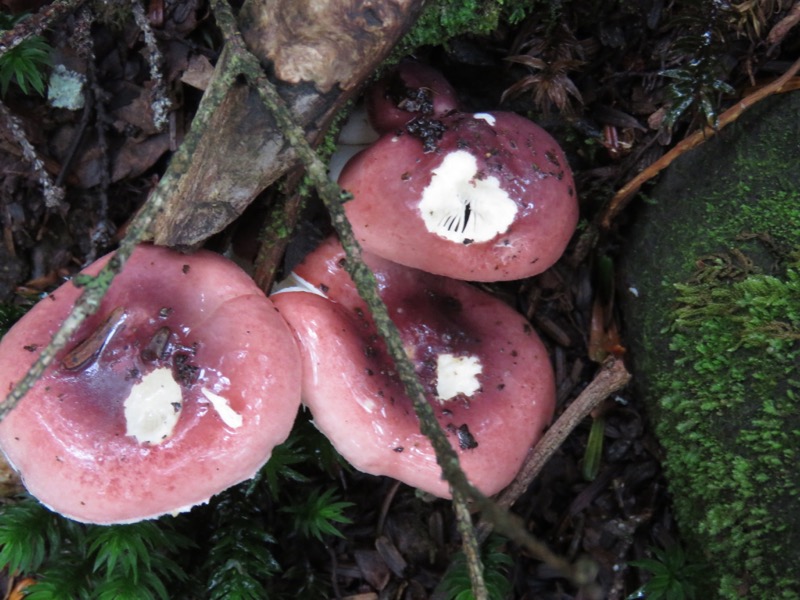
(712, 316)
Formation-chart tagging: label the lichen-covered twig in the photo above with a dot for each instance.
(471, 546)
(53, 194)
(37, 23)
(161, 103)
(508, 524)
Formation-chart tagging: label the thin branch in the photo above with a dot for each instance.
(53, 194)
(160, 101)
(37, 23)
(784, 26)
(629, 190)
(612, 377)
(469, 543)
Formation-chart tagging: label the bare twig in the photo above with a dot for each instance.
(274, 238)
(784, 26)
(612, 377)
(629, 190)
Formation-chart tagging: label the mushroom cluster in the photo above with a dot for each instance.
(177, 388)
(188, 375)
(485, 371)
(440, 195)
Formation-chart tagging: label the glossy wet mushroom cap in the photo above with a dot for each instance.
(480, 197)
(485, 371)
(178, 388)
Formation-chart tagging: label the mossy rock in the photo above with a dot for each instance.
(712, 320)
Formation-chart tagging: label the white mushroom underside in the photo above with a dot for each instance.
(462, 207)
(223, 407)
(457, 375)
(153, 407)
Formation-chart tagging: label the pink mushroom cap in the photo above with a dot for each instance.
(492, 199)
(95, 439)
(486, 373)
(409, 90)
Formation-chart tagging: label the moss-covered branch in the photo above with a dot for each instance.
(506, 523)
(95, 288)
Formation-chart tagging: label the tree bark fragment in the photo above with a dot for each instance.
(318, 52)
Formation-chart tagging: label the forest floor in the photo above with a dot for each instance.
(618, 89)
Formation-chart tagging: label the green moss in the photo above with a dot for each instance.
(735, 342)
(445, 19)
(9, 314)
(715, 342)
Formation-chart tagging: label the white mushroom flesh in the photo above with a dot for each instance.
(153, 407)
(489, 118)
(223, 407)
(457, 375)
(463, 206)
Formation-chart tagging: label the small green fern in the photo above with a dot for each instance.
(672, 575)
(317, 514)
(24, 64)
(29, 533)
(239, 563)
(137, 553)
(70, 560)
(456, 584)
(280, 467)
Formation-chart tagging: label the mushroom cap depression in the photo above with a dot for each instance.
(483, 197)
(485, 372)
(177, 388)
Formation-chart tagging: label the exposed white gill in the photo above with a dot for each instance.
(462, 206)
(294, 283)
(223, 407)
(457, 375)
(153, 407)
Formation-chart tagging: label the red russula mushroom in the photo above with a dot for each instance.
(411, 89)
(485, 372)
(177, 388)
(481, 197)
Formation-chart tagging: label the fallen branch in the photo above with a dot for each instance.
(612, 377)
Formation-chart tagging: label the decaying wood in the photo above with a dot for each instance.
(318, 52)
